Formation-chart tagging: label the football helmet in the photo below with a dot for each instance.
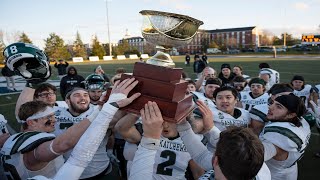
(28, 60)
(95, 81)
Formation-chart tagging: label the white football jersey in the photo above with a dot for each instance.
(274, 75)
(304, 93)
(263, 174)
(290, 138)
(100, 160)
(317, 89)
(259, 112)
(64, 119)
(248, 101)
(3, 123)
(172, 159)
(202, 97)
(15, 147)
(222, 120)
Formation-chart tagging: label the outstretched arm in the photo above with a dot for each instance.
(142, 166)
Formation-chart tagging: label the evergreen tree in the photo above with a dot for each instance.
(79, 49)
(24, 38)
(97, 48)
(55, 48)
(123, 47)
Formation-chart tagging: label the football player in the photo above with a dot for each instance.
(226, 114)
(36, 151)
(91, 139)
(304, 91)
(238, 70)
(171, 160)
(249, 162)
(285, 137)
(269, 75)
(255, 96)
(207, 73)
(95, 84)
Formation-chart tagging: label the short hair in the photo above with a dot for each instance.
(216, 81)
(44, 87)
(30, 108)
(257, 81)
(279, 88)
(120, 70)
(240, 153)
(226, 88)
(239, 79)
(238, 66)
(184, 75)
(191, 82)
(264, 65)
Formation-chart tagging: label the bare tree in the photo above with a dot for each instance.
(12, 37)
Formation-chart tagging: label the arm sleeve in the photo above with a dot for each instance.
(142, 166)
(199, 153)
(88, 144)
(213, 137)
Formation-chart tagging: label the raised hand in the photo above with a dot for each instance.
(121, 90)
(207, 116)
(152, 120)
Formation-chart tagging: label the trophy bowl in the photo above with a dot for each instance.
(167, 30)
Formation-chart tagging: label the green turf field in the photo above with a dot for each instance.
(308, 67)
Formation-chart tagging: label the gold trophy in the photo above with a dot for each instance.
(158, 80)
(167, 30)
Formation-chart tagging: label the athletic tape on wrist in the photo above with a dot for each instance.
(116, 97)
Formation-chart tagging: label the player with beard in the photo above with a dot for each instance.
(285, 137)
(79, 108)
(259, 113)
(89, 142)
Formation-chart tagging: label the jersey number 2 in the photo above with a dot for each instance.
(163, 167)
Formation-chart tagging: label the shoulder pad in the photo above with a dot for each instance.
(25, 142)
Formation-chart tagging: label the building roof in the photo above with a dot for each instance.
(231, 29)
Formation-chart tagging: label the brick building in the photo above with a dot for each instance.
(239, 38)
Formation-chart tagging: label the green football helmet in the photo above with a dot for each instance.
(28, 60)
(95, 81)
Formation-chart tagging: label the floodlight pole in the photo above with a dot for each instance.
(110, 49)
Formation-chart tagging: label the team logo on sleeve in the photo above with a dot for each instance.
(57, 113)
(220, 115)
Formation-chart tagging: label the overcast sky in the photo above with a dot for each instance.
(38, 18)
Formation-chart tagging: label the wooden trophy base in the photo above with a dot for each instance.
(171, 111)
(162, 85)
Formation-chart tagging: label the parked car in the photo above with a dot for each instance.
(213, 51)
(299, 47)
(281, 49)
(247, 50)
(233, 51)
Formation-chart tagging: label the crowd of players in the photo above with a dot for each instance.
(241, 128)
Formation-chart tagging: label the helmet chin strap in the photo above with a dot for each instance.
(23, 70)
